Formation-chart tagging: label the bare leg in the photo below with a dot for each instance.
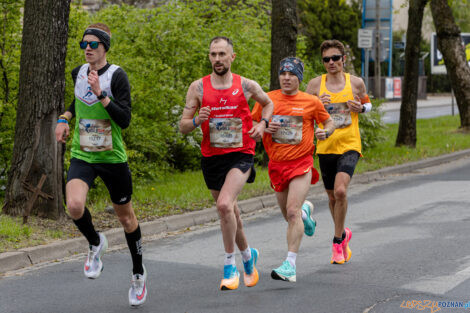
(341, 202)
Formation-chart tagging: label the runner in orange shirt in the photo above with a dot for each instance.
(289, 143)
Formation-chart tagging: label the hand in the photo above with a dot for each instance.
(62, 131)
(320, 134)
(203, 116)
(257, 131)
(325, 98)
(355, 105)
(94, 81)
(273, 127)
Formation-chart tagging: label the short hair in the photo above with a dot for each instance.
(219, 38)
(332, 43)
(101, 26)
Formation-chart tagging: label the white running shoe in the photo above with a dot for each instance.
(138, 290)
(93, 264)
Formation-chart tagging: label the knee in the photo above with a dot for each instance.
(75, 208)
(340, 193)
(127, 220)
(292, 215)
(224, 208)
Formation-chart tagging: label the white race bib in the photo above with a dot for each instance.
(226, 132)
(340, 114)
(95, 135)
(290, 131)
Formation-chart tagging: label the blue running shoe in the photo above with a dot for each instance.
(284, 272)
(251, 276)
(231, 278)
(309, 222)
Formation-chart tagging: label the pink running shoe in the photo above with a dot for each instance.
(337, 257)
(345, 243)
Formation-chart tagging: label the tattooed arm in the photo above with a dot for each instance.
(193, 102)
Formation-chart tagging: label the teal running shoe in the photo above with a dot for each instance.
(309, 223)
(284, 272)
(231, 278)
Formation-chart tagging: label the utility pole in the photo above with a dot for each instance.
(377, 50)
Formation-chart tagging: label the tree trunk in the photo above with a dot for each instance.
(450, 44)
(407, 126)
(283, 35)
(40, 101)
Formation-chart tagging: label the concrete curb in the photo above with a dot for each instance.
(21, 258)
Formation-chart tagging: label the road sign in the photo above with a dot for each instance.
(437, 60)
(364, 38)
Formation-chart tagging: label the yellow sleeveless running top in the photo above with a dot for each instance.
(346, 137)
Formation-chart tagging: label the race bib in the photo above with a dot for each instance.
(226, 132)
(95, 135)
(290, 131)
(340, 114)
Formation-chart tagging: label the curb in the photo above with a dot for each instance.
(25, 257)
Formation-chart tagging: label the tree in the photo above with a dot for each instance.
(450, 44)
(40, 101)
(407, 126)
(283, 35)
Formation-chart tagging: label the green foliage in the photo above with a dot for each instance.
(371, 126)
(331, 19)
(10, 51)
(163, 50)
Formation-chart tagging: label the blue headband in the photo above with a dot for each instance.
(101, 34)
(293, 65)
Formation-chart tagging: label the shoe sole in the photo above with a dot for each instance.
(347, 247)
(277, 276)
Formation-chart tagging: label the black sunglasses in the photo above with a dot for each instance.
(335, 58)
(93, 44)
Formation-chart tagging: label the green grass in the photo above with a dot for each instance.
(182, 192)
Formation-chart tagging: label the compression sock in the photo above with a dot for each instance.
(134, 242)
(85, 226)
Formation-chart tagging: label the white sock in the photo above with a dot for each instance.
(246, 254)
(304, 215)
(229, 259)
(291, 257)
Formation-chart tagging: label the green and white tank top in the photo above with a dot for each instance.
(97, 138)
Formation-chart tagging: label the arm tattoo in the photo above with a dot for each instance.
(200, 89)
(187, 107)
(246, 86)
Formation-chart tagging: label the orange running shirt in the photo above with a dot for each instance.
(297, 115)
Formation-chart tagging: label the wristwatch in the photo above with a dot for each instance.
(266, 122)
(327, 134)
(363, 108)
(103, 95)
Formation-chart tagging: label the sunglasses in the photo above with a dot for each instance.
(335, 58)
(93, 44)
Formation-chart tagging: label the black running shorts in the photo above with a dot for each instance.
(332, 164)
(116, 177)
(216, 167)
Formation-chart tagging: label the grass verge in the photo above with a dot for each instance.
(182, 192)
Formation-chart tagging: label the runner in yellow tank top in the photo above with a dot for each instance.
(344, 97)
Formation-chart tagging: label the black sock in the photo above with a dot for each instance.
(343, 235)
(85, 226)
(337, 240)
(134, 241)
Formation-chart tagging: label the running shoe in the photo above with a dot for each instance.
(138, 290)
(309, 222)
(231, 278)
(93, 264)
(284, 272)
(251, 276)
(346, 250)
(337, 257)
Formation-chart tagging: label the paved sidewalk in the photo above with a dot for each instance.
(22, 258)
(431, 101)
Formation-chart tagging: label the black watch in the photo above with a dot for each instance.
(265, 121)
(103, 95)
(363, 108)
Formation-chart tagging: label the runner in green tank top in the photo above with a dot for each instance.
(102, 107)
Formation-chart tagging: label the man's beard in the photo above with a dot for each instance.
(222, 72)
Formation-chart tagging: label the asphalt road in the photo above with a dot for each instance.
(410, 243)
(393, 116)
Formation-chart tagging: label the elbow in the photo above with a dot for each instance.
(125, 123)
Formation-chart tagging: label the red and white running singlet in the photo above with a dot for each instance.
(229, 121)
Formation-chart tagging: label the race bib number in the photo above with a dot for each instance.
(340, 114)
(290, 131)
(226, 132)
(95, 135)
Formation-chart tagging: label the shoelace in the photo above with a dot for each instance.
(137, 282)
